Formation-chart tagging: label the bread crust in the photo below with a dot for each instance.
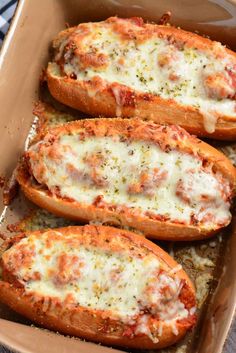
(174, 137)
(77, 93)
(88, 323)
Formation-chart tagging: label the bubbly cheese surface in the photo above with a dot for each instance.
(190, 76)
(134, 174)
(60, 267)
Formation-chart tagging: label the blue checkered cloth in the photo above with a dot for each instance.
(7, 9)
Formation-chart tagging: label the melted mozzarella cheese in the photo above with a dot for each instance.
(95, 278)
(181, 79)
(122, 166)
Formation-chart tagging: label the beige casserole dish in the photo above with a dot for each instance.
(23, 56)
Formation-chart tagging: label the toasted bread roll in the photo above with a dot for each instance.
(126, 68)
(157, 179)
(100, 283)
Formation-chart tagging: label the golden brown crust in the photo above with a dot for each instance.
(157, 109)
(173, 137)
(82, 323)
(76, 93)
(87, 323)
(175, 35)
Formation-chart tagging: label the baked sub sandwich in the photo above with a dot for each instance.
(99, 283)
(156, 179)
(124, 67)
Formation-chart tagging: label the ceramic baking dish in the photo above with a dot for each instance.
(23, 56)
